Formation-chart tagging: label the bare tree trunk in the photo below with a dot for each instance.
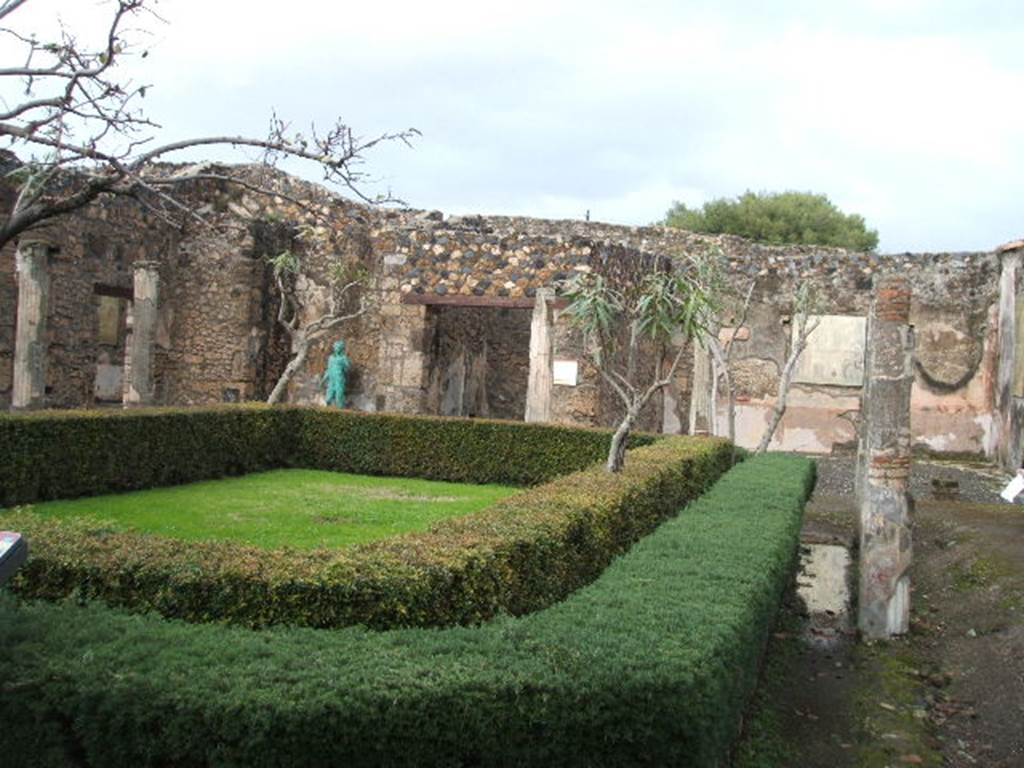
(786, 380)
(302, 336)
(300, 349)
(722, 359)
(634, 399)
(779, 410)
(617, 451)
(721, 369)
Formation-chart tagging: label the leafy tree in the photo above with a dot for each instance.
(617, 319)
(777, 218)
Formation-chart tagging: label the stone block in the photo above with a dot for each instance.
(109, 383)
(109, 318)
(412, 370)
(725, 334)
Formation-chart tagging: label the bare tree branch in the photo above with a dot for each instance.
(288, 267)
(80, 115)
(721, 358)
(805, 327)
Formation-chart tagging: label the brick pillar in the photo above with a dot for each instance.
(540, 382)
(31, 343)
(139, 383)
(884, 458)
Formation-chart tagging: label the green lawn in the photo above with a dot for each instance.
(304, 508)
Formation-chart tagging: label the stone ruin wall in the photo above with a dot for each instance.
(954, 314)
(96, 254)
(218, 341)
(433, 262)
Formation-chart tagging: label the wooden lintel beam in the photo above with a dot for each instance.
(117, 291)
(459, 300)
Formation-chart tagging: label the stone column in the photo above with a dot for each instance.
(540, 382)
(138, 390)
(885, 501)
(30, 342)
(702, 411)
(1008, 441)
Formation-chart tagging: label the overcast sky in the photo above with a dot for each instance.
(908, 112)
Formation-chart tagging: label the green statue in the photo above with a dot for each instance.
(334, 377)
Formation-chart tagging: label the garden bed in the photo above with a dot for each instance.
(651, 664)
(300, 508)
(518, 555)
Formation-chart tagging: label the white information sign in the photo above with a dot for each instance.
(565, 372)
(1013, 489)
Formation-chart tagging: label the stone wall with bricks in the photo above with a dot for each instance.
(435, 285)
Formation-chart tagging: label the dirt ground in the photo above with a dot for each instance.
(951, 693)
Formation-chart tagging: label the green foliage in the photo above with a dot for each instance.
(653, 664)
(777, 218)
(661, 305)
(456, 450)
(671, 303)
(518, 555)
(286, 262)
(615, 321)
(300, 508)
(59, 455)
(595, 305)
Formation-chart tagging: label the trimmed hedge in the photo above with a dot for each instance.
(457, 450)
(652, 664)
(58, 455)
(63, 454)
(523, 553)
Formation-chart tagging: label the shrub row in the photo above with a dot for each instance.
(649, 665)
(63, 454)
(58, 455)
(523, 553)
(457, 450)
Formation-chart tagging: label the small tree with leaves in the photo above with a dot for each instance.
(346, 300)
(617, 320)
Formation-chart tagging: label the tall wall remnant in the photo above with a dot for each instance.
(139, 375)
(1010, 381)
(31, 346)
(884, 464)
(538, 390)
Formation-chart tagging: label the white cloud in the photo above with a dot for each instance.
(906, 112)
